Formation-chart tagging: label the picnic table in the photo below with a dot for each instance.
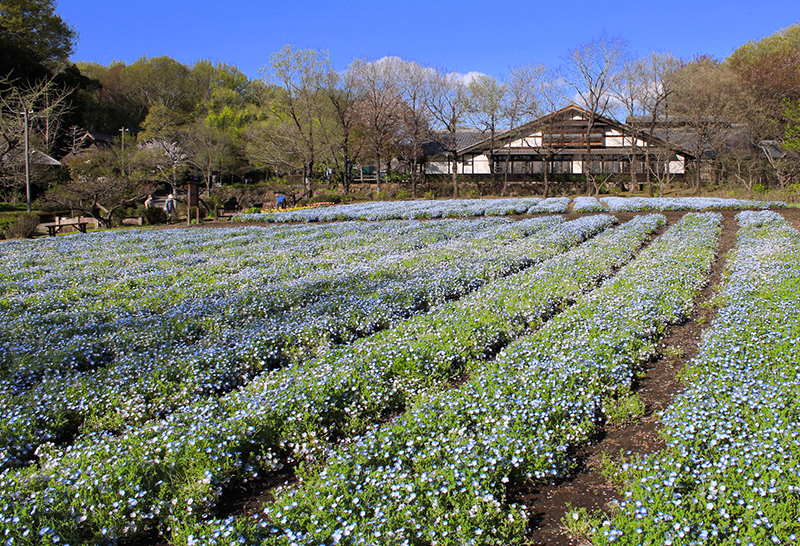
(78, 223)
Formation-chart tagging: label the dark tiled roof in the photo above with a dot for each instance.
(441, 144)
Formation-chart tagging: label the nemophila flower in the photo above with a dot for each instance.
(730, 472)
(440, 469)
(385, 210)
(500, 425)
(632, 204)
(587, 204)
(219, 435)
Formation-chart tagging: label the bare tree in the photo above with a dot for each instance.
(486, 106)
(707, 100)
(207, 151)
(380, 91)
(643, 91)
(343, 133)
(591, 72)
(533, 91)
(97, 188)
(416, 123)
(45, 104)
(447, 102)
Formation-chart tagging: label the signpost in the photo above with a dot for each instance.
(192, 200)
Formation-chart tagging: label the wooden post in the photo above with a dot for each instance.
(192, 200)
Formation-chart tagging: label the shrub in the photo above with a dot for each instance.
(21, 227)
(154, 215)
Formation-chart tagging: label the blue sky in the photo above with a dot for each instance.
(465, 36)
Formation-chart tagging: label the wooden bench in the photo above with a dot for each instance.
(224, 213)
(79, 223)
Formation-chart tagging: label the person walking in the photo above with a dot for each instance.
(169, 207)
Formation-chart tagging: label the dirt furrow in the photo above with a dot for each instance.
(587, 487)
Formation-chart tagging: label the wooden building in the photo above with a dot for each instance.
(566, 142)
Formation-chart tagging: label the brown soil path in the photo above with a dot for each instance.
(588, 488)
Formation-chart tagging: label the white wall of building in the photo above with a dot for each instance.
(678, 166)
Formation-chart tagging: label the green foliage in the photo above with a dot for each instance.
(791, 139)
(581, 523)
(153, 215)
(35, 27)
(22, 226)
(771, 65)
(626, 408)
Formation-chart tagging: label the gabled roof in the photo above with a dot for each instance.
(99, 138)
(568, 112)
(465, 139)
(17, 157)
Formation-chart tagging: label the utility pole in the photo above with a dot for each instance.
(123, 131)
(25, 114)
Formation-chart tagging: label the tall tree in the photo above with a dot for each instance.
(45, 103)
(707, 100)
(300, 74)
(643, 90)
(163, 138)
(532, 91)
(34, 27)
(343, 132)
(208, 150)
(447, 102)
(486, 106)
(162, 81)
(783, 154)
(591, 72)
(770, 69)
(416, 124)
(380, 104)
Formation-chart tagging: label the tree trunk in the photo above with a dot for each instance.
(546, 177)
(378, 171)
(455, 176)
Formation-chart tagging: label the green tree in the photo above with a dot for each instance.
(162, 81)
(300, 74)
(770, 68)
(33, 26)
(163, 139)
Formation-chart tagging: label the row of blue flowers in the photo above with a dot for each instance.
(452, 208)
(112, 352)
(106, 486)
(729, 474)
(439, 473)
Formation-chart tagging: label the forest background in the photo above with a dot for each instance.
(315, 133)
